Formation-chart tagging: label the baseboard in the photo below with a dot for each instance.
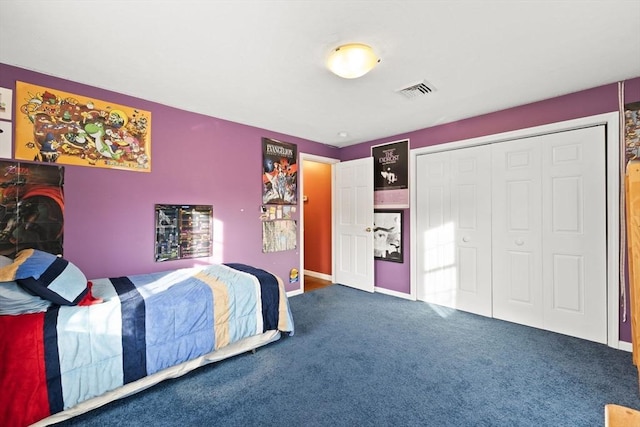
(394, 293)
(626, 346)
(318, 275)
(294, 293)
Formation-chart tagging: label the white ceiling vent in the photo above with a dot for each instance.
(417, 90)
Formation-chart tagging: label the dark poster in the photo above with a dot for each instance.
(279, 172)
(391, 174)
(31, 207)
(183, 231)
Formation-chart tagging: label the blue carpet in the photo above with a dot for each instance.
(360, 359)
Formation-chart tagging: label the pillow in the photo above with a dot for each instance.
(15, 300)
(46, 275)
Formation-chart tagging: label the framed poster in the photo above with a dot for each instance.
(279, 172)
(5, 140)
(183, 231)
(391, 174)
(387, 235)
(6, 102)
(58, 127)
(279, 235)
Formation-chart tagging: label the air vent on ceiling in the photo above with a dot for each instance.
(416, 90)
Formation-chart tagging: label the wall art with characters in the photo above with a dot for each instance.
(58, 127)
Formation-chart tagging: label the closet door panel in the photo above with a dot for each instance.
(436, 275)
(517, 243)
(574, 233)
(454, 229)
(471, 211)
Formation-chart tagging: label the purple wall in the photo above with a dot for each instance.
(195, 159)
(586, 103)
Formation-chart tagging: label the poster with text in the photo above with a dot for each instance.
(391, 174)
(279, 172)
(53, 126)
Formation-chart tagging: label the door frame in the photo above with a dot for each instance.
(317, 159)
(611, 121)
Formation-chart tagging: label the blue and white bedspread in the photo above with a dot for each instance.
(154, 321)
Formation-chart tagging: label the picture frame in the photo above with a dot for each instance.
(388, 226)
(391, 175)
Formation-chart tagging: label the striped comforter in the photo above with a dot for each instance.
(51, 361)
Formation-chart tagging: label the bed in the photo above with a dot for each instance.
(68, 345)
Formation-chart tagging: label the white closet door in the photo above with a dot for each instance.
(549, 241)
(574, 234)
(517, 232)
(454, 229)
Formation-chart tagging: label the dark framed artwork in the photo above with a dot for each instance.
(183, 231)
(387, 235)
(391, 175)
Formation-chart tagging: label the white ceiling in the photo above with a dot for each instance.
(261, 63)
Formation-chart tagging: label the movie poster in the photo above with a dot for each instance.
(391, 174)
(279, 172)
(58, 127)
(31, 207)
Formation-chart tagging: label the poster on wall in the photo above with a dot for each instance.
(183, 231)
(31, 207)
(632, 132)
(387, 235)
(391, 174)
(6, 102)
(279, 172)
(58, 127)
(5, 140)
(279, 235)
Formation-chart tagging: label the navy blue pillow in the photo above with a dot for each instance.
(48, 276)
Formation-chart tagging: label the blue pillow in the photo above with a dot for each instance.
(15, 300)
(46, 275)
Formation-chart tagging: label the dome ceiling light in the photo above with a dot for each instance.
(352, 60)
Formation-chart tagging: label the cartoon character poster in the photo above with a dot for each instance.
(391, 174)
(31, 207)
(58, 127)
(279, 172)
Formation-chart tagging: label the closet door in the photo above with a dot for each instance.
(574, 233)
(454, 229)
(517, 232)
(549, 241)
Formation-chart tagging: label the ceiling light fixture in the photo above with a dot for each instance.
(352, 60)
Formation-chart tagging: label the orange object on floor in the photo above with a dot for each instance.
(621, 416)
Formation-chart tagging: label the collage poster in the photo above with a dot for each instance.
(279, 172)
(58, 127)
(391, 174)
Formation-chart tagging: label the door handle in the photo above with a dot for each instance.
(466, 239)
(519, 242)
(368, 229)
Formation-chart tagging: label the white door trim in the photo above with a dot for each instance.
(611, 120)
(318, 159)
